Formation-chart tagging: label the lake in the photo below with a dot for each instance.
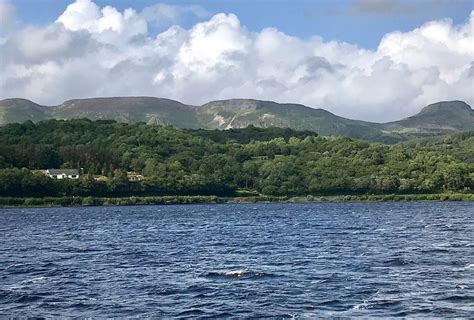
(242, 260)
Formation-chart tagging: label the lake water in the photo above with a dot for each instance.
(246, 260)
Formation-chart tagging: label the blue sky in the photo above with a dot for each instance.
(359, 22)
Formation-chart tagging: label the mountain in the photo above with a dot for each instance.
(435, 119)
(129, 109)
(21, 110)
(439, 118)
(240, 113)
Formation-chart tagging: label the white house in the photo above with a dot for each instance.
(133, 176)
(62, 173)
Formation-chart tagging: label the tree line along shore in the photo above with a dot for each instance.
(172, 165)
(49, 202)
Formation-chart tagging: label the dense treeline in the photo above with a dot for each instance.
(460, 145)
(273, 161)
(251, 133)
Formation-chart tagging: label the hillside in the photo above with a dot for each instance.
(440, 118)
(129, 109)
(271, 161)
(436, 119)
(21, 110)
(240, 113)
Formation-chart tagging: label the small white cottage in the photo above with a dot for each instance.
(62, 173)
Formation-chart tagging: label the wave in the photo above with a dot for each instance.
(238, 274)
(191, 312)
(397, 262)
(15, 297)
(467, 267)
(457, 298)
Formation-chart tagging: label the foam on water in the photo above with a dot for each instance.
(238, 274)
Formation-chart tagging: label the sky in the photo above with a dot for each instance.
(376, 60)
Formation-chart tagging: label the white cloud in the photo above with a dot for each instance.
(212, 45)
(92, 51)
(52, 43)
(108, 24)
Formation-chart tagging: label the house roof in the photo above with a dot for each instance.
(133, 174)
(63, 171)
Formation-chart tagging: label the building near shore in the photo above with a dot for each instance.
(133, 176)
(63, 173)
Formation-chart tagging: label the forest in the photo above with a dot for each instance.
(236, 162)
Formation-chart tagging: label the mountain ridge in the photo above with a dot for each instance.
(439, 118)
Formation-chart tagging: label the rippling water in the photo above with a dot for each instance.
(275, 260)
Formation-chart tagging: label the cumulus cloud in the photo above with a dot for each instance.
(107, 23)
(51, 43)
(92, 51)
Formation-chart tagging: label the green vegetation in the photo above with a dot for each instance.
(6, 202)
(20, 110)
(437, 119)
(104, 201)
(252, 163)
(240, 113)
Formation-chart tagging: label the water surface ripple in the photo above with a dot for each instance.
(247, 260)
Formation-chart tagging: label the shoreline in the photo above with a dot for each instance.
(50, 202)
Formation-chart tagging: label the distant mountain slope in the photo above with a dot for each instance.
(129, 109)
(21, 110)
(436, 119)
(240, 113)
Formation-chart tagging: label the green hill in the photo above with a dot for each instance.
(129, 109)
(250, 161)
(240, 113)
(21, 110)
(436, 119)
(439, 118)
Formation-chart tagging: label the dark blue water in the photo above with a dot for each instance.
(274, 260)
